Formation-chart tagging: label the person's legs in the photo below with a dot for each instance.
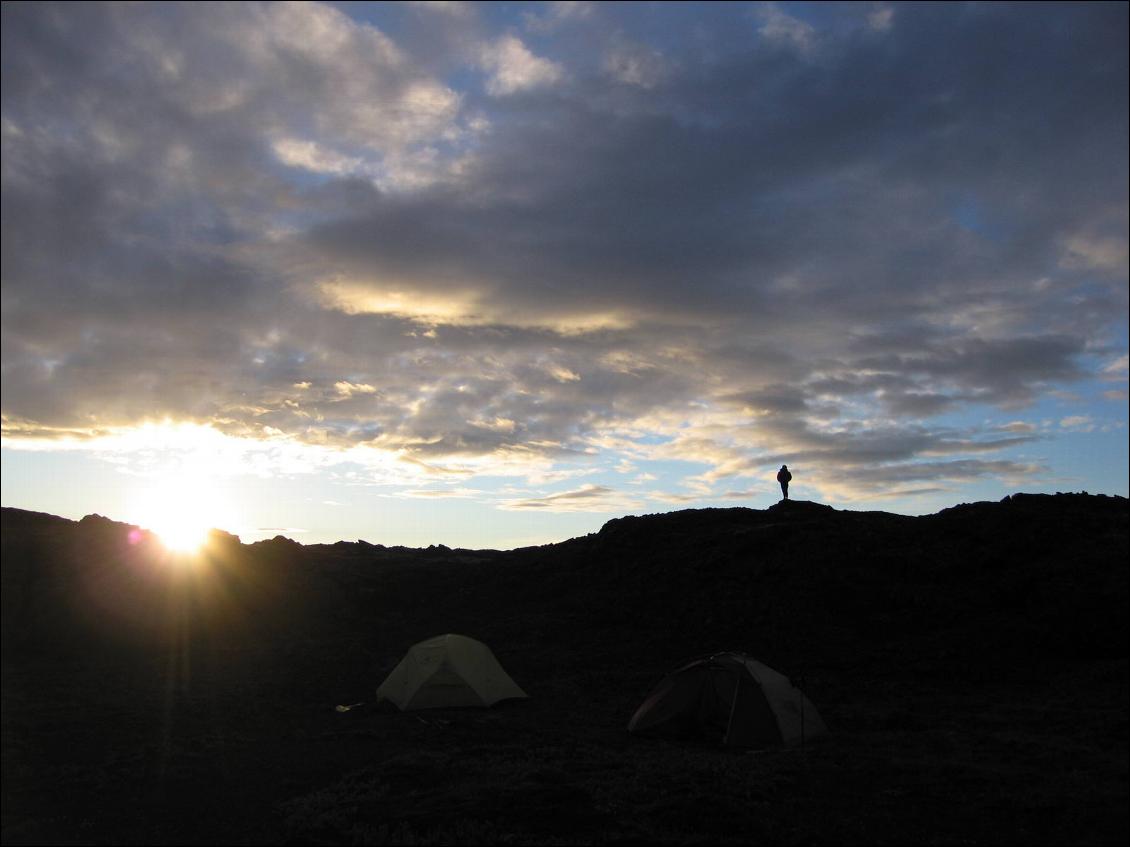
(785, 489)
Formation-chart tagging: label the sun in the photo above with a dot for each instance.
(182, 536)
(181, 511)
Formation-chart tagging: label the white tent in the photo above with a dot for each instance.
(445, 672)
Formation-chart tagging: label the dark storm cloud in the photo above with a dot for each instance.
(273, 216)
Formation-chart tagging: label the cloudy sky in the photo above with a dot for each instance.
(489, 275)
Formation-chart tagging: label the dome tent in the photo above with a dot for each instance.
(448, 671)
(731, 698)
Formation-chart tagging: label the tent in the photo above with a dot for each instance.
(445, 672)
(731, 698)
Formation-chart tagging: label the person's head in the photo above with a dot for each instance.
(784, 467)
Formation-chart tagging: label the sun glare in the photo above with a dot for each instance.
(183, 537)
(181, 512)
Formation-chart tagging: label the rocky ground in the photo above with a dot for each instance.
(971, 665)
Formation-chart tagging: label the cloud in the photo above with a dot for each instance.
(1117, 366)
(746, 494)
(513, 68)
(780, 27)
(310, 156)
(888, 480)
(900, 493)
(587, 498)
(556, 13)
(881, 18)
(1103, 253)
(442, 493)
(635, 64)
(1078, 422)
(455, 8)
(348, 389)
(283, 223)
(1101, 243)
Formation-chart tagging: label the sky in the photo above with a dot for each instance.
(488, 275)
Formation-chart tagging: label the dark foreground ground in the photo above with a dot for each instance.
(972, 667)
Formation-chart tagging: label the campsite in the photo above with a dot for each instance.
(970, 666)
(557, 422)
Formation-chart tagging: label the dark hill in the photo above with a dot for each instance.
(972, 665)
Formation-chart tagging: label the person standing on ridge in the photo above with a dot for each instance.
(783, 477)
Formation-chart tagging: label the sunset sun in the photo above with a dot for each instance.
(181, 513)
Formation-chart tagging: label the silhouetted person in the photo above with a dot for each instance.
(783, 477)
